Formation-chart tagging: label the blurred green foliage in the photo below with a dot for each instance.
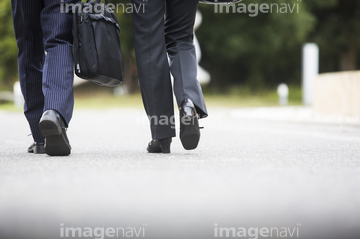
(8, 48)
(265, 50)
(256, 52)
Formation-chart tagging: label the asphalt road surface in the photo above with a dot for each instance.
(263, 173)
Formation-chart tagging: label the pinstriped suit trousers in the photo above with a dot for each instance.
(165, 28)
(45, 60)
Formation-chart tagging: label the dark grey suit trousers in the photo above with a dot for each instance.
(164, 28)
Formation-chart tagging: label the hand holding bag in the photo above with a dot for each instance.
(97, 51)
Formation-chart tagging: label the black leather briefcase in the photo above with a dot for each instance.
(97, 51)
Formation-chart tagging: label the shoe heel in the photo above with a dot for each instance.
(39, 150)
(48, 127)
(165, 146)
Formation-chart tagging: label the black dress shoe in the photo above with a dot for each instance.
(159, 146)
(37, 148)
(189, 125)
(53, 128)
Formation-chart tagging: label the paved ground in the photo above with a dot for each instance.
(248, 175)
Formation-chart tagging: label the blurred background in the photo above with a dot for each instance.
(255, 166)
(247, 57)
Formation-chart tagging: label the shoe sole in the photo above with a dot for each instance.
(154, 150)
(190, 134)
(55, 143)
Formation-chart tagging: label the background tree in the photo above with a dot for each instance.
(8, 48)
(337, 33)
(258, 51)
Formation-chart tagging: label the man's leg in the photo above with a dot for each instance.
(58, 77)
(29, 37)
(58, 73)
(153, 66)
(179, 27)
